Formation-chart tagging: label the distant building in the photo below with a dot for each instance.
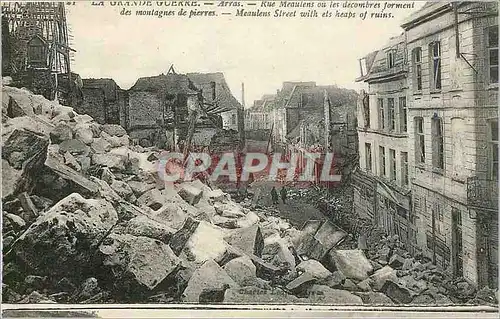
(313, 115)
(428, 126)
(259, 117)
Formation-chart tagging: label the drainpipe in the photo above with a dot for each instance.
(457, 35)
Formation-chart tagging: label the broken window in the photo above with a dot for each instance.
(437, 144)
(403, 113)
(391, 58)
(381, 154)
(493, 150)
(493, 54)
(392, 165)
(392, 117)
(419, 141)
(404, 168)
(368, 157)
(381, 114)
(435, 55)
(417, 68)
(363, 67)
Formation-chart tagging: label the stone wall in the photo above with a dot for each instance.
(94, 104)
(144, 109)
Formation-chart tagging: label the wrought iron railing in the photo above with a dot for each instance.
(482, 193)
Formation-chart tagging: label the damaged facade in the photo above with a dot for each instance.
(308, 116)
(321, 117)
(36, 52)
(428, 136)
(155, 110)
(101, 100)
(217, 93)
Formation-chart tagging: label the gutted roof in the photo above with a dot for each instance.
(169, 83)
(109, 87)
(378, 64)
(224, 99)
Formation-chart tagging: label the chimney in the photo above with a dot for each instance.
(212, 87)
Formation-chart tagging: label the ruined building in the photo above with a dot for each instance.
(310, 116)
(155, 110)
(36, 52)
(101, 100)
(218, 97)
(428, 136)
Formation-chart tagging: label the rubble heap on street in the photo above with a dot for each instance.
(86, 220)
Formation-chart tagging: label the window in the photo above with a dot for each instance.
(403, 113)
(437, 143)
(438, 216)
(366, 109)
(392, 117)
(233, 119)
(419, 140)
(392, 165)
(435, 56)
(37, 52)
(417, 68)
(368, 157)
(381, 154)
(391, 59)
(494, 150)
(493, 54)
(381, 114)
(404, 168)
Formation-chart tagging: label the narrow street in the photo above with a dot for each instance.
(295, 211)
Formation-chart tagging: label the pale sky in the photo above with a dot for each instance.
(261, 52)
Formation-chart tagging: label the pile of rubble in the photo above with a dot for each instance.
(86, 220)
(418, 280)
(399, 276)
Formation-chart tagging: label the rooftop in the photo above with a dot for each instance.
(225, 100)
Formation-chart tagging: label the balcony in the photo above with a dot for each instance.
(482, 193)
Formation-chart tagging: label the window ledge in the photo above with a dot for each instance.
(456, 90)
(493, 86)
(417, 93)
(420, 166)
(458, 180)
(435, 92)
(438, 171)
